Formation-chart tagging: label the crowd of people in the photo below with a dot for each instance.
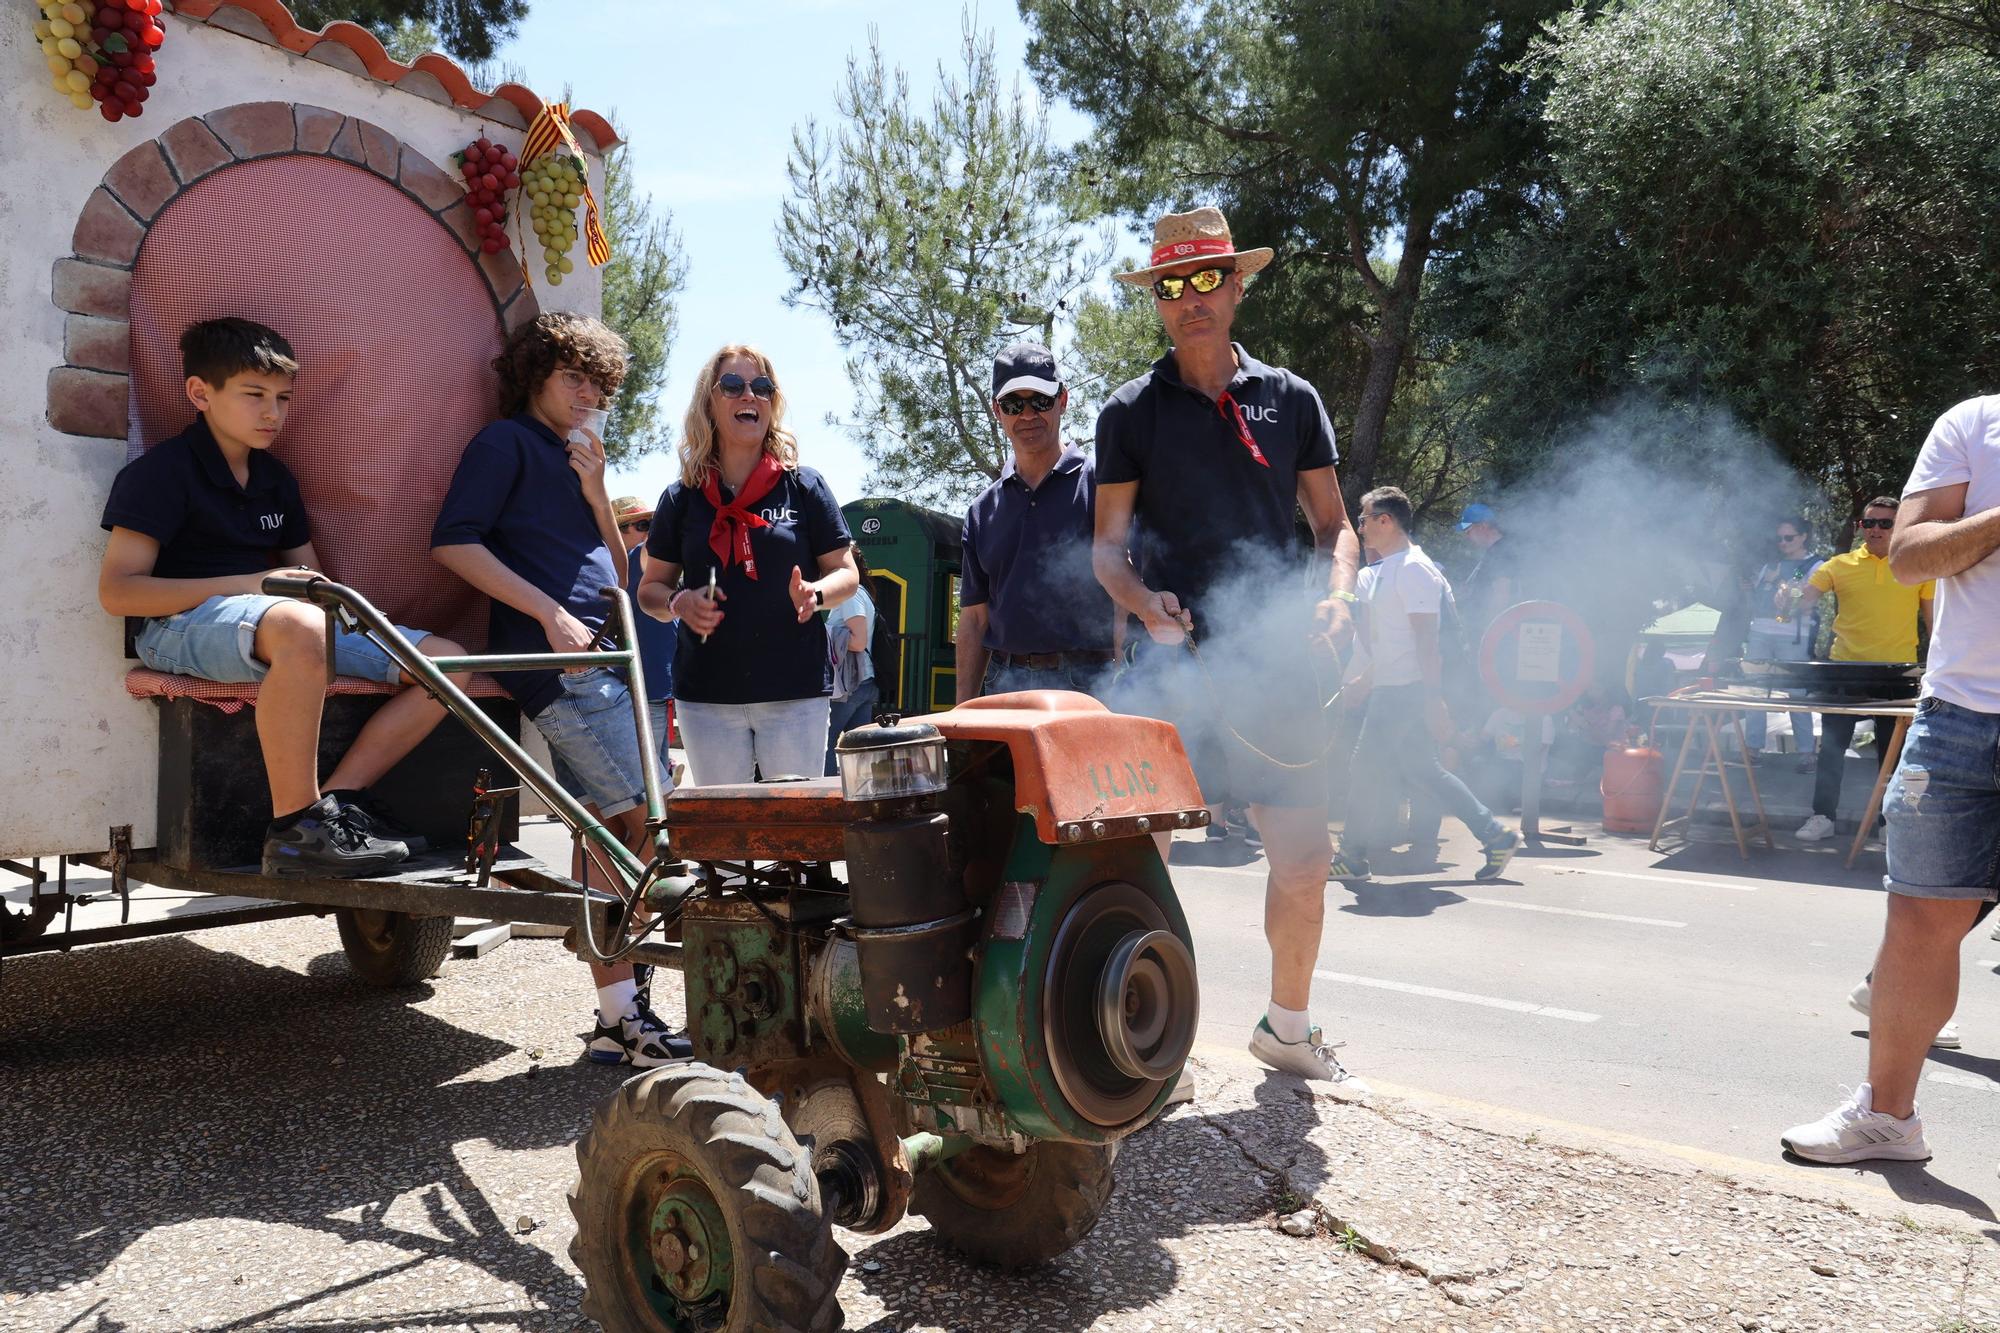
(1163, 573)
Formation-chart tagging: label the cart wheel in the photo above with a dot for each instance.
(1016, 1210)
(696, 1209)
(393, 948)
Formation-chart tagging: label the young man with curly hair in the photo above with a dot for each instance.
(527, 522)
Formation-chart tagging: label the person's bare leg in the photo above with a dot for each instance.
(1915, 991)
(1298, 850)
(291, 640)
(630, 827)
(395, 729)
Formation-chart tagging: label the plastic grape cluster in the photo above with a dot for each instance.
(490, 173)
(102, 52)
(554, 184)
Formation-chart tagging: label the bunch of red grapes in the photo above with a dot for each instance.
(102, 51)
(491, 172)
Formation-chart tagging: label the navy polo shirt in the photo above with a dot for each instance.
(1202, 497)
(760, 653)
(656, 637)
(516, 494)
(1026, 557)
(182, 494)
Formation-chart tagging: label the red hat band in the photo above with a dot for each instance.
(1175, 251)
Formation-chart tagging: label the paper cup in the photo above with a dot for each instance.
(594, 420)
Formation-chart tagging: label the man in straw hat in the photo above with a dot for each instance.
(1202, 463)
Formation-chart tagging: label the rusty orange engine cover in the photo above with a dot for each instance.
(1077, 763)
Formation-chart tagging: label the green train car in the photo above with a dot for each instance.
(913, 552)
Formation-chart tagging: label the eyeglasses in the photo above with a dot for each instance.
(1014, 404)
(637, 525)
(1202, 280)
(1877, 523)
(732, 386)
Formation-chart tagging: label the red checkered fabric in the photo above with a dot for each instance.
(395, 333)
(142, 683)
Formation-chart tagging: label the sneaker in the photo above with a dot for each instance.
(1815, 829)
(1347, 867)
(1498, 855)
(1863, 995)
(1183, 1092)
(1312, 1058)
(1216, 833)
(639, 1039)
(377, 821)
(1808, 763)
(322, 841)
(1855, 1132)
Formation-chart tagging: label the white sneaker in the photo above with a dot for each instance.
(1855, 1132)
(1815, 829)
(1860, 997)
(1183, 1092)
(1312, 1058)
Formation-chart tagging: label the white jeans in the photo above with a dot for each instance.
(730, 743)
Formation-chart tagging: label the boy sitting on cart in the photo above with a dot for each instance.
(196, 523)
(527, 521)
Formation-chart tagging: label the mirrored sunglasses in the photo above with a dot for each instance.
(1016, 403)
(732, 386)
(1202, 280)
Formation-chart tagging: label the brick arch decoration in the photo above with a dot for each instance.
(90, 393)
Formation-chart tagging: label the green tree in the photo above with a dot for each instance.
(1775, 207)
(1327, 128)
(1117, 336)
(929, 240)
(468, 29)
(642, 287)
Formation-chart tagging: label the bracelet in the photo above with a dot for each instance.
(1345, 595)
(671, 613)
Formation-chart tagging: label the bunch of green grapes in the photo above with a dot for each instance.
(553, 185)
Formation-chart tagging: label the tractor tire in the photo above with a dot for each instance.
(690, 1162)
(1014, 1211)
(391, 949)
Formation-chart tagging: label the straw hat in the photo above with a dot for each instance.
(626, 508)
(1202, 234)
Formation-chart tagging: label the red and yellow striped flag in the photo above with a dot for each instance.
(551, 128)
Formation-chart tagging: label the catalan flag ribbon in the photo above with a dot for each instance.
(550, 129)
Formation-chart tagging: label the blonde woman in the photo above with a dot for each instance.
(751, 674)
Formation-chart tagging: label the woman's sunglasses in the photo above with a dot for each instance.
(637, 525)
(732, 386)
(1202, 280)
(1015, 404)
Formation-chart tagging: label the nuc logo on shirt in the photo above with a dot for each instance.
(271, 522)
(780, 514)
(1254, 413)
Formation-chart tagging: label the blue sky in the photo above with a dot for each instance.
(708, 100)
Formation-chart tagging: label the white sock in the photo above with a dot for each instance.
(1289, 1025)
(616, 1000)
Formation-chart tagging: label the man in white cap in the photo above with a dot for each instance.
(1201, 464)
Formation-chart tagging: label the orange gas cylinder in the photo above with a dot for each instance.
(1633, 778)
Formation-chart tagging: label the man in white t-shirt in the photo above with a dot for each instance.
(1943, 806)
(1403, 600)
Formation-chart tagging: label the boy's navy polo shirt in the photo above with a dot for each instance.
(656, 637)
(516, 494)
(760, 653)
(1203, 500)
(182, 494)
(1025, 555)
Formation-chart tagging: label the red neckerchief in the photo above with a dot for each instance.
(1232, 413)
(729, 535)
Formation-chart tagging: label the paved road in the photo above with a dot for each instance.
(1697, 998)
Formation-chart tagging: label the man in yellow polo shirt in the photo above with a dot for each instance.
(1875, 621)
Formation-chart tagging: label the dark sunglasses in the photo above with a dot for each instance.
(1202, 280)
(732, 386)
(1877, 523)
(1014, 404)
(637, 525)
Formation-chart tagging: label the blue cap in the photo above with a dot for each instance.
(1477, 513)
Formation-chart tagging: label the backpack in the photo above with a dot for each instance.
(887, 661)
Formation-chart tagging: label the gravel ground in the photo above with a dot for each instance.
(223, 1132)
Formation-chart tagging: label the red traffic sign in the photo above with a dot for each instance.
(1537, 657)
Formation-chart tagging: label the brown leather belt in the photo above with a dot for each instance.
(1056, 661)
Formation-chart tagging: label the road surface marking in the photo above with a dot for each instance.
(1462, 997)
(1577, 911)
(1650, 879)
(1958, 1078)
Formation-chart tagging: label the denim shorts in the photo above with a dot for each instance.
(1943, 806)
(216, 641)
(1082, 676)
(594, 741)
